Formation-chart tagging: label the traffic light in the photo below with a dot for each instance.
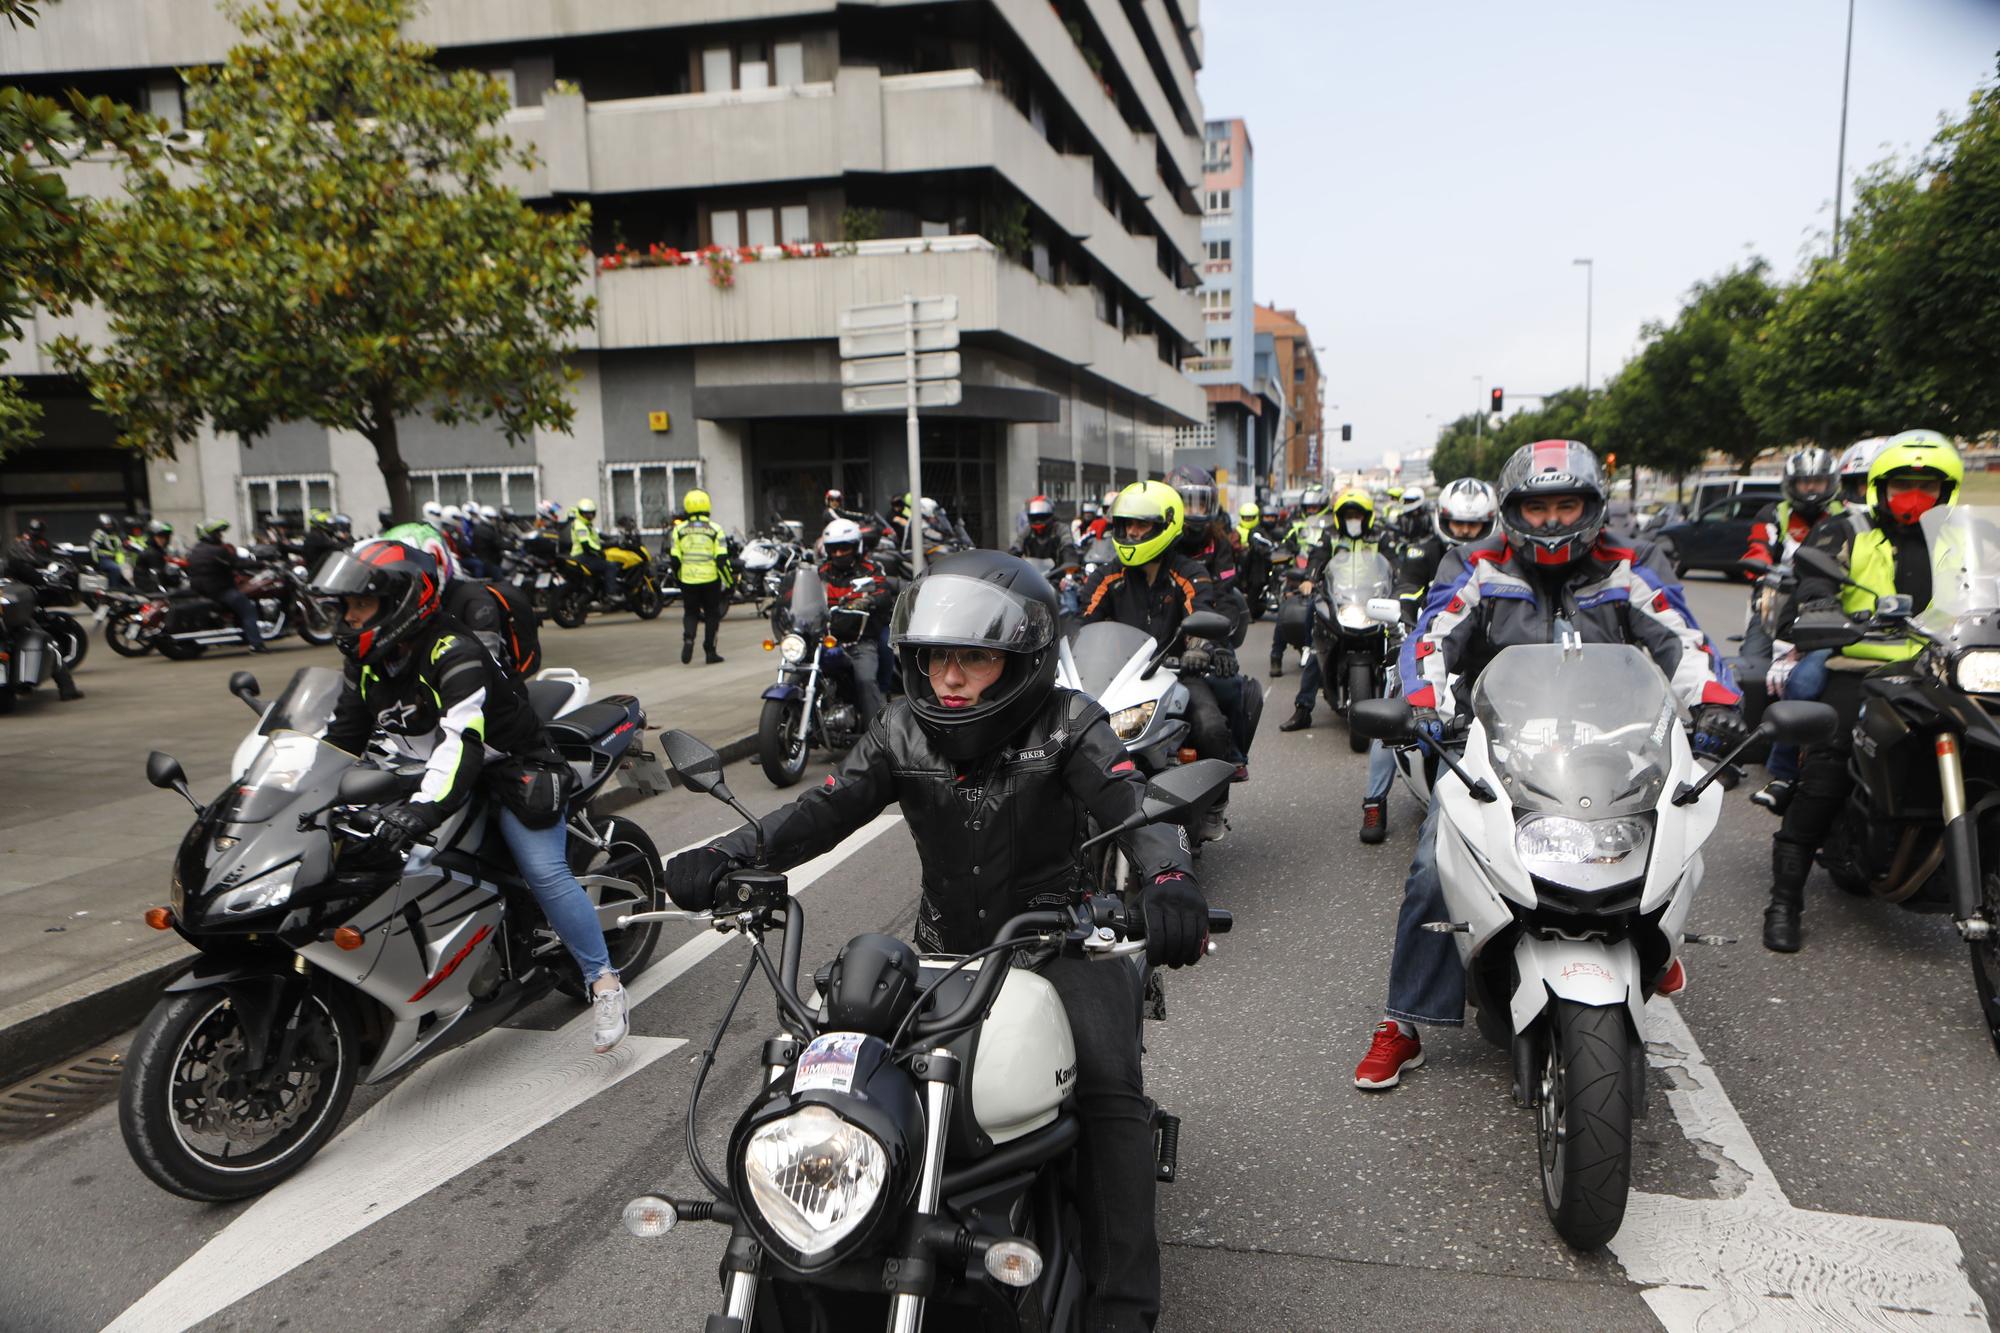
(1499, 396)
(1346, 432)
(1611, 462)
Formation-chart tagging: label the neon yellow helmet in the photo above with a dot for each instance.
(1248, 511)
(1152, 502)
(1354, 495)
(1918, 452)
(694, 502)
(587, 507)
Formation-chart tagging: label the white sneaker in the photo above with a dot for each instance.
(609, 1026)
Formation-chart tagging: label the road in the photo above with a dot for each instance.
(1818, 1145)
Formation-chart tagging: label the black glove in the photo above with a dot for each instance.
(396, 827)
(1176, 918)
(1718, 729)
(692, 877)
(1195, 657)
(1222, 661)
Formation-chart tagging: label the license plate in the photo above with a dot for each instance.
(542, 580)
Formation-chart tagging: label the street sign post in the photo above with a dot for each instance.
(899, 354)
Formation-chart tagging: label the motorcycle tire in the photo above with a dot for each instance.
(312, 622)
(174, 650)
(632, 947)
(124, 636)
(570, 607)
(174, 1036)
(1360, 688)
(1583, 1122)
(1843, 862)
(8, 696)
(781, 752)
(1986, 959)
(72, 639)
(645, 600)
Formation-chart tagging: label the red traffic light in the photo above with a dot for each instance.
(1499, 396)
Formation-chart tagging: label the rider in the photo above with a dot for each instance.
(489, 545)
(149, 562)
(996, 769)
(1912, 474)
(29, 552)
(1247, 515)
(1041, 537)
(1811, 498)
(421, 683)
(701, 555)
(107, 551)
(1354, 529)
(321, 539)
(1465, 514)
(211, 571)
(1413, 524)
(842, 566)
(586, 547)
(1210, 538)
(1313, 503)
(1553, 572)
(1090, 523)
(836, 508)
(1854, 461)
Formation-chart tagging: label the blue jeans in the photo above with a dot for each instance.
(1381, 771)
(1426, 980)
(233, 601)
(1309, 680)
(1807, 681)
(542, 856)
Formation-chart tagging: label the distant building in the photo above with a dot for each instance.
(1302, 455)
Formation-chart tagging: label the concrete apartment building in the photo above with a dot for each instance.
(1301, 456)
(1041, 161)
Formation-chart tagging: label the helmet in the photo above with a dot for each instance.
(901, 504)
(320, 518)
(1090, 509)
(427, 539)
(1413, 499)
(928, 508)
(978, 599)
(403, 577)
(490, 513)
(1152, 502)
(1354, 498)
(159, 527)
(695, 502)
(1553, 467)
(549, 511)
(1040, 512)
(1395, 492)
(1467, 500)
(1914, 453)
(834, 498)
(586, 508)
(1273, 511)
(106, 521)
(40, 528)
(453, 514)
(342, 523)
(1248, 510)
(213, 527)
(1312, 499)
(843, 532)
(432, 511)
(1811, 481)
(1854, 468)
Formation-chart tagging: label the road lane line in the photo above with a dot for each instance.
(446, 1116)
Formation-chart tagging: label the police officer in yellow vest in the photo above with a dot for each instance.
(701, 554)
(1884, 553)
(586, 546)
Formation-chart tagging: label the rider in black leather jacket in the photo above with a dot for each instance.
(996, 792)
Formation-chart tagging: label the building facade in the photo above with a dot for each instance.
(1301, 456)
(1040, 161)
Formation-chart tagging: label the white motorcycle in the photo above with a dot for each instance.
(1570, 850)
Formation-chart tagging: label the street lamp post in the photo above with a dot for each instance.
(1840, 169)
(1589, 302)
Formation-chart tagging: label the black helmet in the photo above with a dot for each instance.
(1197, 489)
(1812, 480)
(159, 527)
(38, 527)
(978, 599)
(403, 577)
(1548, 468)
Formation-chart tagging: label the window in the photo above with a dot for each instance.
(716, 76)
(1217, 302)
(724, 228)
(505, 78)
(752, 70)
(510, 488)
(1220, 202)
(1215, 154)
(788, 62)
(760, 226)
(1218, 251)
(652, 491)
(794, 224)
(289, 498)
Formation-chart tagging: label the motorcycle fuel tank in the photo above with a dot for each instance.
(1025, 1061)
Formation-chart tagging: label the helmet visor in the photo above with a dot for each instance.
(953, 610)
(342, 574)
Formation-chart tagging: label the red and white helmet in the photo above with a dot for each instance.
(1551, 468)
(1040, 511)
(403, 580)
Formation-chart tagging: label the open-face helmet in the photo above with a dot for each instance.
(1146, 520)
(978, 603)
(1812, 481)
(1545, 469)
(403, 579)
(834, 498)
(1913, 454)
(1465, 501)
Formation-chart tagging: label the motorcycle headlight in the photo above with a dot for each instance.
(1583, 854)
(1129, 722)
(792, 647)
(269, 890)
(1354, 616)
(1978, 671)
(814, 1178)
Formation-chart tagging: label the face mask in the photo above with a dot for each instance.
(1910, 506)
(1354, 527)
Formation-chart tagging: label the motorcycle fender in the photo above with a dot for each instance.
(1586, 972)
(257, 993)
(786, 690)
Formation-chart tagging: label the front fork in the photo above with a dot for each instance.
(912, 1274)
(1961, 844)
(744, 1256)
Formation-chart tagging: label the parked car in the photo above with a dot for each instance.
(1716, 537)
(1709, 490)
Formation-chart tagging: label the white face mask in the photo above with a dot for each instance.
(1353, 526)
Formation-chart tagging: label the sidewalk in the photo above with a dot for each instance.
(86, 844)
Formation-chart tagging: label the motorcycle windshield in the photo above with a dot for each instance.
(307, 703)
(1353, 575)
(1964, 543)
(1100, 553)
(1101, 651)
(1581, 731)
(290, 766)
(808, 598)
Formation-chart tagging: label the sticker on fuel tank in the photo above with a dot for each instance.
(828, 1063)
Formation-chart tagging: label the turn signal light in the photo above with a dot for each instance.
(830, 641)
(347, 937)
(1187, 755)
(160, 918)
(770, 645)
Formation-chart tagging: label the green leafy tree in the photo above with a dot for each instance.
(344, 252)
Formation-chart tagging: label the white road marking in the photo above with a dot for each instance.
(442, 1119)
(1750, 1260)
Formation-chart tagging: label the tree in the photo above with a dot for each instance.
(43, 226)
(344, 254)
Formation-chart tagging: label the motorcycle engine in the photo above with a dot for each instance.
(841, 718)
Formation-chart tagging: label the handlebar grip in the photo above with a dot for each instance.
(1219, 921)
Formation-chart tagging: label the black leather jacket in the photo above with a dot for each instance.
(1052, 543)
(995, 840)
(212, 566)
(1157, 606)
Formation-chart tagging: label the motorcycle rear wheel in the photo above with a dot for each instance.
(631, 948)
(645, 600)
(314, 627)
(1986, 959)
(178, 651)
(1583, 1122)
(179, 1068)
(1360, 687)
(782, 745)
(72, 639)
(571, 607)
(126, 636)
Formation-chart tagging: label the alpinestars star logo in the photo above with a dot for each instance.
(397, 717)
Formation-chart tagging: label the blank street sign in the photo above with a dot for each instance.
(889, 397)
(890, 314)
(889, 342)
(891, 369)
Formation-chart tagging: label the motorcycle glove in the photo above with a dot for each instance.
(1195, 657)
(693, 875)
(1718, 729)
(1176, 917)
(1222, 661)
(1781, 671)
(1426, 722)
(397, 826)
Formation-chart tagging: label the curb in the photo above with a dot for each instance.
(92, 1011)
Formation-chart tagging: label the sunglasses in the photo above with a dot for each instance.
(971, 660)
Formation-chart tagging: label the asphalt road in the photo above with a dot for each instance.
(1849, 1082)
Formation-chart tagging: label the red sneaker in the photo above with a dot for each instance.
(1675, 980)
(1388, 1056)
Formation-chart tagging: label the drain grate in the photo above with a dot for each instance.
(57, 1096)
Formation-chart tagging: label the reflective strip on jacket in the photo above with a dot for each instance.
(583, 536)
(697, 545)
(1872, 564)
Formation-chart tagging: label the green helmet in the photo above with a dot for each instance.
(1914, 453)
(1153, 502)
(214, 527)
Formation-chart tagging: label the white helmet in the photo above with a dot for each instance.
(928, 507)
(841, 532)
(1854, 465)
(550, 511)
(489, 512)
(454, 514)
(1413, 499)
(1467, 500)
(433, 511)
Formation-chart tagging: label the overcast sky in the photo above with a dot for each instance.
(1426, 173)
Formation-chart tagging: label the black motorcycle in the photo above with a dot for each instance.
(1353, 648)
(1922, 827)
(323, 965)
(882, 1169)
(28, 652)
(814, 701)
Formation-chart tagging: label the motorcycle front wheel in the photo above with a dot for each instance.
(1360, 687)
(645, 600)
(571, 606)
(127, 636)
(71, 639)
(1583, 1122)
(201, 1125)
(1986, 959)
(783, 744)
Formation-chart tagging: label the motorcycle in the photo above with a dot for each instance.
(574, 591)
(913, 1144)
(323, 967)
(1353, 648)
(814, 701)
(762, 567)
(1570, 851)
(183, 624)
(1922, 825)
(1262, 559)
(28, 652)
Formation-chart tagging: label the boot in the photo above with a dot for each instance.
(1277, 666)
(67, 692)
(1300, 719)
(1790, 864)
(1773, 796)
(709, 655)
(687, 651)
(1374, 821)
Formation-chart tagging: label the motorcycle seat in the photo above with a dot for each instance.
(547, 697)
(591, 722)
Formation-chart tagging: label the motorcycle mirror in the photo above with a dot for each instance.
(164, 772)
(1895, 606)
(244, 686)
(1828, 629)
(368, 786)
(1385, 610)
(1820, 563)
(1754, 567)
(691, 758)
(1206, 625)
(1799, 722)
(1186, 786)
(1381, 719)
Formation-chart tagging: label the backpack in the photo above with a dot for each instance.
(505, 622)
